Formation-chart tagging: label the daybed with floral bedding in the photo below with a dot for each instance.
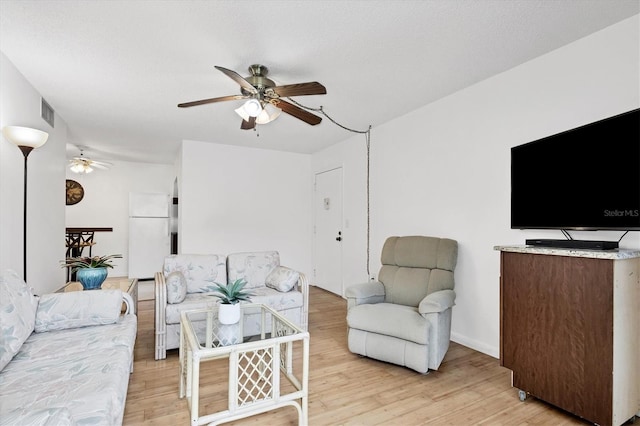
(65, 358)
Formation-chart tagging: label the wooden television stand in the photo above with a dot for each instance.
(570, 329)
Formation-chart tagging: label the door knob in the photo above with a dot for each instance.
(339, 237)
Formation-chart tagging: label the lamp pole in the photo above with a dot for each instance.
(26, 150)
(27, 140)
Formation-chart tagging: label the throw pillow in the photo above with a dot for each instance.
(176, 287)
(282, 278)
(60, 311)
(17, 315)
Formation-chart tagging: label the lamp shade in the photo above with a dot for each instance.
(252, 107)
(80, 167)
(25, 136)
(242, 113)
(268, 114)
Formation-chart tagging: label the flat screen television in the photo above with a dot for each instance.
(587, 178)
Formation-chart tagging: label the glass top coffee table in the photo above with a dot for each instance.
(256, 363)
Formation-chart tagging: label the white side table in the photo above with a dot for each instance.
(255, 363)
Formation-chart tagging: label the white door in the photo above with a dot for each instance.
(328, 231)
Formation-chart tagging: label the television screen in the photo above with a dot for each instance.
(584, 178)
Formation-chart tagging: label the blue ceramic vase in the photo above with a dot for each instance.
(91, 278)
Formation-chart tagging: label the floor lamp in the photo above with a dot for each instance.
(27, 140)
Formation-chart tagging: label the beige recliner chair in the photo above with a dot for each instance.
(405, 317)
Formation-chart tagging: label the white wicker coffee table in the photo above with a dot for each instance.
(256, 363)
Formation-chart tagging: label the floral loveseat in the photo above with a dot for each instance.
(187, 282)
(65, 358)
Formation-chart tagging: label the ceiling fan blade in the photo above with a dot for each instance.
(238, 79)
(99, 165)
(300, 89)
(298, 112)
(102, 163)
(248, 125)
(212, 100)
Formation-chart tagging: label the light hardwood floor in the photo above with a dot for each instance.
(470, 388)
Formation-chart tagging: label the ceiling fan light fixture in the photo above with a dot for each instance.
(83, 164)
(252, 107)
(79, 166)
(242, 113)
(268, 114)
(260, 91)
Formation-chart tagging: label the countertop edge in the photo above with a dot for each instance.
(554, 251)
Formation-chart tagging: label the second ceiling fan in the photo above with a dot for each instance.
(264, 98)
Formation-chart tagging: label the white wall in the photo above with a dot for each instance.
(443, 170)
(20, 106)
(351, 156)
(237, 199)
(106, 204)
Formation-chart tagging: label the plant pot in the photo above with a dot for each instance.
(229, 334)
(228, 313)
(91, 278)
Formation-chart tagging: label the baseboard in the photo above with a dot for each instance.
(476, 345)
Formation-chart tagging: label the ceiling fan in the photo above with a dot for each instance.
(83, 164)
(264, 99)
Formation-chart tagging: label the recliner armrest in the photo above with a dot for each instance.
(365, 293)
(438, 301)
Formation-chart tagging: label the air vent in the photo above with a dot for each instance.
(47, 112)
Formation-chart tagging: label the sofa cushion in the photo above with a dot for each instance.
(253, 267)
(85, 370)
(403, 322)
(201, 271)
(176, 287)
(282, 278)
(51, 416)
(270, 297)
(59, 311)
(17, 315)
(276, 299)
(191, 301)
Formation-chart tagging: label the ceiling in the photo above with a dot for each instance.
(115, 71)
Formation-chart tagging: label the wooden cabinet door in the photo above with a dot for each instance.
(557, 330)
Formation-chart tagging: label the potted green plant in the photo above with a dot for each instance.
(90, 271)
(230, 296)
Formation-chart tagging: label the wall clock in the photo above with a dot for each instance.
(75, 192)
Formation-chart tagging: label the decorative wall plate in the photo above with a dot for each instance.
(75, 192)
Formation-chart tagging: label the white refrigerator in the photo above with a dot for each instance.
(149, 233)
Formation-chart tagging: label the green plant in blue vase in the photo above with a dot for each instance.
(90, 271)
